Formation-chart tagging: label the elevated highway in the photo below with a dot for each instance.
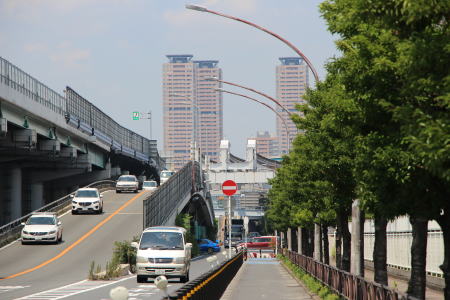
(50, 144)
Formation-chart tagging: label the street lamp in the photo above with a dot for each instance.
(252, 90)
(204, 9)
(266, 105)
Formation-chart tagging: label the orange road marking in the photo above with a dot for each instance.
(86, 235)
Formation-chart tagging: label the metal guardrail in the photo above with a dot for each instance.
(343, 283)
(80, 113)
(210, 285)
(161, 203)
(10, 230)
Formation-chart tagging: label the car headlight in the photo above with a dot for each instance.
(52, 232)
(26, 232)
(179, 260)
(74, 202)
(141, 259)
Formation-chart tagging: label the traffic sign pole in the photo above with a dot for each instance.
(229, 188)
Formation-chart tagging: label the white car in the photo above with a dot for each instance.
(87, 200)
(42, 227)
(165, 175)
(150, 185)
(163, 251)
(127, 183)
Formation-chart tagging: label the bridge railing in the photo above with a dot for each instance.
(80, 113)
(347, 285)
(29, 86)
(10, 231)
(160, 204)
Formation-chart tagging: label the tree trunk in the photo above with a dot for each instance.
(444, 222)
(417, 281)
(379, 251)
(338, 246)
(355, 266)
(361, 264)
(317, 242)
(346, 240)
(326, 244)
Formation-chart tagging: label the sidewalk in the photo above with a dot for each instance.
(264, 278)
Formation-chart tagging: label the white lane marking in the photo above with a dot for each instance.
(72, 289)
(8, 288)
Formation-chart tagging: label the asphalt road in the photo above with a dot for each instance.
(86, 238)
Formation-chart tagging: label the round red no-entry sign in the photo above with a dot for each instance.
(229, 187)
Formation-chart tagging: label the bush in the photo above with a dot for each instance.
(123, 253)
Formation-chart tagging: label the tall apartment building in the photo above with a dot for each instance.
(193, 111)
(266, 145)
(292, 77)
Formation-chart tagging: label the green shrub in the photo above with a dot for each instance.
(184, 220)
(310, 282)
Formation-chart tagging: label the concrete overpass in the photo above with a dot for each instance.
(50, 144)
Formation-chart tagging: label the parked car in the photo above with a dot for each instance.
(127, 183)
(209, 246)
(165, 175)
(253, 234)
(259, 242)
(87, 200)
(150, 185)
(163, 251)
(42, 227)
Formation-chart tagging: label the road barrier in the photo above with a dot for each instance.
(212, 284)
(162, 202)
(11, 231)
(343, 283)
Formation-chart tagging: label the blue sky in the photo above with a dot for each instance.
(112, 51)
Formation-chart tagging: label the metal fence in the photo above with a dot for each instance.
(343, 283)
(80, 113)
(212, 284)
(11, 230)
(160, 204)
(27, 85)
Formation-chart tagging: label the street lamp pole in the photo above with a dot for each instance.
(204, 9)
(254, 91)
(266, 105)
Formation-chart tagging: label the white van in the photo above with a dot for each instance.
(163, 251)
(165, 175)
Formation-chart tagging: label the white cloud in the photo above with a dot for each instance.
(35, 47)
(69, 57)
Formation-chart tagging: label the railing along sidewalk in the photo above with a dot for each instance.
(11, 231)
(344, 283)
(212, 284)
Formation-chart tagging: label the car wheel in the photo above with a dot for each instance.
(24, 243)
(136, 191)
(184, 279)
(210, 250)
(141, 279)
(117, 192)
(74, 212)
(60, 238)
(100, 210)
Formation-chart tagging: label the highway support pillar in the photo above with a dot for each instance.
(37, 195)
(15, 194)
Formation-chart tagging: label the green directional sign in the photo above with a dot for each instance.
(136, 115)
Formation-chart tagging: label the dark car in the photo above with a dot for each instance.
(209, 246)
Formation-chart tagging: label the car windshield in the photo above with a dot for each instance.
(166, 174)
(127, 178)
(161, 241)
(41, 221)
(262, 240)
(86, 194)
(150, 183)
